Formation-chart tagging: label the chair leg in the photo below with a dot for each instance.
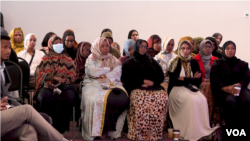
(212, 117)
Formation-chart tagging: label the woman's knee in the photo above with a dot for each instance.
(230, 100)
(45, 95)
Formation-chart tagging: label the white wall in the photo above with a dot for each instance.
(165, 18)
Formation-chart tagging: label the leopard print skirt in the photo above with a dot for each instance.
(147, 114)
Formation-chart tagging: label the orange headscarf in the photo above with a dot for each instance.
(187, 38)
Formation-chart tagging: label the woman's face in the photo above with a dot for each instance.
(207, 49)
(157, 46)
(230, 50)
(31, 43)
(104, 48)
(170, 46)
(135, 36)
(143, 48)
(185, 50)
(18, 36)
(219, 38)
(130, 50)
(69, 41)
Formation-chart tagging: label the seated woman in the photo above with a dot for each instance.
(154, 45)
(57, 70)
(17, 38)
(83, 51)
(32, 56)
(166, 55)
(188, 107)
(205, 60)
(128, 49)
(218, 37)
(141, 77)
(197, 42)
(226, 73)
(103, 107)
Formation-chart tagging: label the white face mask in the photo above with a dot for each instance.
(58, 48)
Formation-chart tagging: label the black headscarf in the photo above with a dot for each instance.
(46, 39)
(70, 51)
(106, 30)
(2, 22)
(216, 52)
(143, 60)
(130, 33)
(230, 61)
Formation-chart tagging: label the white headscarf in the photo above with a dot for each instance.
(26, 39)
(163, 58)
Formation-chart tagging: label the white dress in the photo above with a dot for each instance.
(94, 98)
(189, 112)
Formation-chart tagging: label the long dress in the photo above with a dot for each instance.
(95, 99)
(189, 112)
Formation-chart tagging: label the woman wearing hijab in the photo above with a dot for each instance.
(216, 51)
(226, 73)
(55, 91)
(32, 56)
(68, 44)
(218, 37)
(16, 39)
(191, 41)
(141, 77)
(134, 35)
(205, 60)
(197, 42)
(154, 45)
(45, 48)
(188, 107)
(116, 46)
(128, 49)
(83, 52)
(104, 100)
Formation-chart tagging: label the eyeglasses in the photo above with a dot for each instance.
(208, 47)
(70, 41)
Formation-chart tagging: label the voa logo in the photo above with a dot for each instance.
(236, 132)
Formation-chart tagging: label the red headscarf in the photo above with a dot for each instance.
(152, 39)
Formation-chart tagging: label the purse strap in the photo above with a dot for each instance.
(32, 57)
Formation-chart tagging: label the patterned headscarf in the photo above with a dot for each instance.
(128, 43)
(196, 41)
(151, 41)
(187, 38)
(109, 60)
(17, 47)
(184, 61)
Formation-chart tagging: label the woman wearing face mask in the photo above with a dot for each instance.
(141, 77)
(83, 51)
(103, 108)
(206, 60)
(32, 56)
(128, 49)
(17, 38)
(226, 73)
(57, 70)
(154, 45)
(68, 44)
(188, 107)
